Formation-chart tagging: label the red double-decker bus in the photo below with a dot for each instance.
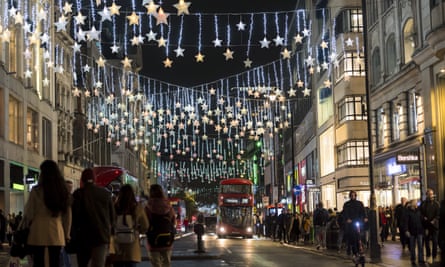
(235, 208)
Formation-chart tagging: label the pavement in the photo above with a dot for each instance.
(391, 255)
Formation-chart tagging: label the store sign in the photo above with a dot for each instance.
(407, 157)
(231, 200)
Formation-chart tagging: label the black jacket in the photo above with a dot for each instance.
(354, 210)
(413, 222)
(93, 215)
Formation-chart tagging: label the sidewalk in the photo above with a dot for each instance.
(391, 254)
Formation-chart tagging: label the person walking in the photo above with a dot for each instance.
(320, 220)
(128, 255)
(413, 230)
(399, 214)
(47, 213)
(294, 230)
(65, 260)
(353, 212)
(93, 220)
(3, 226)
(159, 205)
(430, 209)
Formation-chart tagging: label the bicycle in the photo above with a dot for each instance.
(359, 256)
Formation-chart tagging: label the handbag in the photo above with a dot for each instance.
(19, 246)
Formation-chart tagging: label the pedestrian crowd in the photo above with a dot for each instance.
(99, 227)
(418, 224)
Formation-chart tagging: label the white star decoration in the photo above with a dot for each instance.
(247, 63)
(241, 26)
(179, 52)
(228, 54)
(265, 43)
(217, 42)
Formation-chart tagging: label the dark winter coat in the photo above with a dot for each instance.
(413, 222)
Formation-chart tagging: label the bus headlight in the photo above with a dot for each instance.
(222, 230)
(249, 229)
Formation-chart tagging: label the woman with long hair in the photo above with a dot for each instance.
(129, 254)
(48, 215)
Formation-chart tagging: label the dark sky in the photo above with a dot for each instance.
(185, 71)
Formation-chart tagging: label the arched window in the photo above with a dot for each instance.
(409, 40)
(390, 55)
(376, 66)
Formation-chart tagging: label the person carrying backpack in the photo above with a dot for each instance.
(161, 232)
(131, 220)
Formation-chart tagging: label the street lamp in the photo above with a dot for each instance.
(372, 216)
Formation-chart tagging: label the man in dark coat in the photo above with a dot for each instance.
(353, 212)
(93, 219)
(430, 209)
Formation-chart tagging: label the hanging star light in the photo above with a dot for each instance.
(161, 42)
(67, 8)
(241, 26)
(349, 42)
(247, 63)
(151, 36)
(161, 17)
(306, 92)
(265, 43)
(182, 7)
(133, 19)
(228, 54)
(152, 8)
(18, 19)
(298, 39)
(114, 49)
(105, 14)
(100, 62)
(278, 40)
(114, 9)
(167, 63)
(93, 34)
(80, 19)
(217, 42)
(285, 54)
(126, 63)
(199, 57)
(324, 45)
(61, 24)
(179, 52)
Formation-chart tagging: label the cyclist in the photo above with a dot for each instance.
(353, 213)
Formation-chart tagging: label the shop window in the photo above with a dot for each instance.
(352, 108)
(16, 175)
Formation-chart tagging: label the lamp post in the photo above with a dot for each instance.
(372, 216)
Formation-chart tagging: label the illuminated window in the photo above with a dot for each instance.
(353, 153)
(414, 101)
(409, 40)
(349, 20)
(395, 122)
(352, 108)
(32, 130)
(381, 126)
(15, 121)
(353, 64)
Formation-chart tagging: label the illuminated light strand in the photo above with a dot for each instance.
(180, 31)
(250, 35)
(215, 19)
(265, 24)
(200, 33)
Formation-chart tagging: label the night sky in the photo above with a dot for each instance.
(185, 71)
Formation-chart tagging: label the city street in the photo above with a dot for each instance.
(261, 253)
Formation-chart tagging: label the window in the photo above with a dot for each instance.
(390, 56)
(352, 108)
(376, 67)
(325, 105)
(46, 138)
(353, 153)
(395, 121)
(387, 4)
(353, 64)
(372, 11)
(412, 109)
(409, 40)
(32, 130)
(2, 112)
(381, 127)
(350, 20)
(15, 121)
